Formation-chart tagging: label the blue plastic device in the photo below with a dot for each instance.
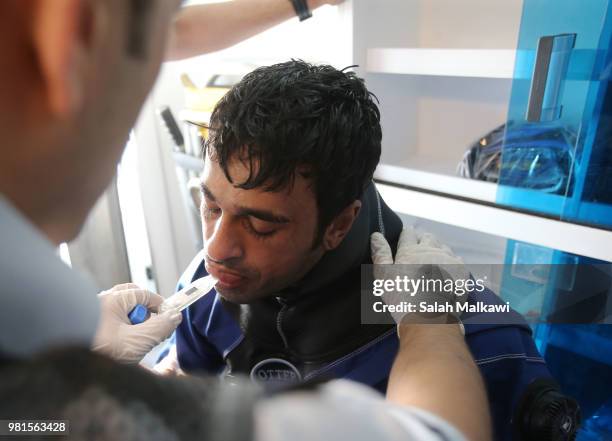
(139, 314)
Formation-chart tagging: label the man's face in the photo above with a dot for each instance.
(256, 242)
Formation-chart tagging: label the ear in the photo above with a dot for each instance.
(61, 37)
(340, 226)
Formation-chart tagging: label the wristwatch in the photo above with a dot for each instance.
(301, 9)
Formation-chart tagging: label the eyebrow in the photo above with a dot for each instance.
(264, 215)
(207, 192)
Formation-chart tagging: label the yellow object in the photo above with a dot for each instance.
(202, 100)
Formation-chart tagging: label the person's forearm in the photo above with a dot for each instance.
(207, 28)
(434, 371)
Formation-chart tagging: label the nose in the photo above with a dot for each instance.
(224, 243)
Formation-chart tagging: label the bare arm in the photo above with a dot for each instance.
(434, 371)
(207, 28)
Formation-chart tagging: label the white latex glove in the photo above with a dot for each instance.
(423, 255)
(169, 365)
(121, 340)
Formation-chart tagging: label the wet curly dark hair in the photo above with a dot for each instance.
(296, 117)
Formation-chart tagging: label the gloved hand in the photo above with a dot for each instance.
(121, 340)
(169, 366)
(424, 257)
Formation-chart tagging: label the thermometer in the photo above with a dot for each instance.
(179, 301)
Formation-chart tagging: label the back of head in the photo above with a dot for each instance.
(106, 401)
(296, 117)
(74, 77)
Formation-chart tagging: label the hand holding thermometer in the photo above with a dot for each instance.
(179, 301)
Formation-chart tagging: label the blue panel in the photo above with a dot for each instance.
(579, 356)
(560, 164)
(557, 160)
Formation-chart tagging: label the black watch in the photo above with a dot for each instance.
(301, 9)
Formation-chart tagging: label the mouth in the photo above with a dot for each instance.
(226, 279)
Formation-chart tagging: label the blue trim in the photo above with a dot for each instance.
(355, 366)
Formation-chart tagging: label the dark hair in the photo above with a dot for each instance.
(105, 400)
(296, 117)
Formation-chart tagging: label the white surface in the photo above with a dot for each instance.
(133, 218)
(64, 254)
(563, 236)
(422, 177)
(167, 224)
(479, 63)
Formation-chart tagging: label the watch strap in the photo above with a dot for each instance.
(301, 9)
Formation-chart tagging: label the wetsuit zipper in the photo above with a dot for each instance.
(279, 322)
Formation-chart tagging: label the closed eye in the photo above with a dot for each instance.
(257, 233)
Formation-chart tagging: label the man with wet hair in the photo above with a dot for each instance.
(288, 210)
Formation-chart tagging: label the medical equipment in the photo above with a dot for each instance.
(179, 301)
(522, 155)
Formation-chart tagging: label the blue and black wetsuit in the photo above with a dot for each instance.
(313, 330)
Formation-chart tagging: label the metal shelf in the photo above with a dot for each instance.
(500, 221)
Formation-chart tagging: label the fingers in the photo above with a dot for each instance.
(428, 239)
(407, 240)
(151, 300)
(133, 295)
(381, 251)
(161, 326)
(121, 287)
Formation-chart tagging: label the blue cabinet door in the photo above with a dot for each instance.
(556, 152)
(556, 160)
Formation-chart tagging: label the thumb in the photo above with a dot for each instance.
(405, 245)
(381, 251)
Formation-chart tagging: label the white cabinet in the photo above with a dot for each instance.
(443, 71)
